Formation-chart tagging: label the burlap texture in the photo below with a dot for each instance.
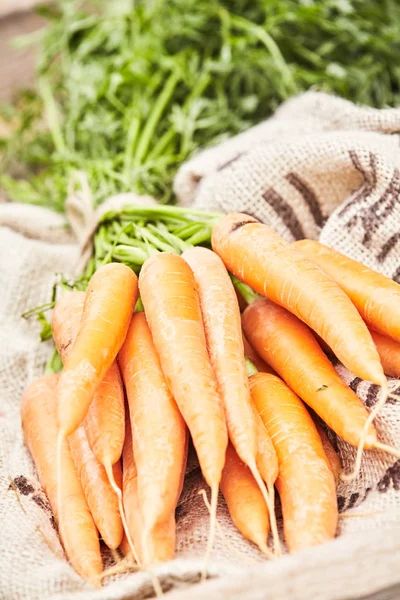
(321, 168)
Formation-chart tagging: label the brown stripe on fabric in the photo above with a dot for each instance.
(308, 195)
(285, 212)
(369, 180)
(392, 475)
(396, 275)
(372, 395)
(354, 383)
(372, 220)
(388, 246)
(230, 161)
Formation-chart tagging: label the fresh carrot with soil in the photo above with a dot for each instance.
(245, 501)
(169, 294)
(159, 437)
(305, 483)
(105, 422)
(222, 324)
(76, 526)
(376, 297)
(292, 350)
(257, 255)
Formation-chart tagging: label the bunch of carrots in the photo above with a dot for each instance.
(229, 346)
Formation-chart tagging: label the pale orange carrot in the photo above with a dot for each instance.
(130, 495)
(100, 496)
(305, 483)
(257, 255)
(77, 530)
(163, 543)
(159, 437)
(331, 454)
(291, 349)
(376, 297)
(172, 306)
(389, 352)
(109, 304)
(221, 317)
(245, 501)
(105, 423)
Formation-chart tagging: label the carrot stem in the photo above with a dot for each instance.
(248, 294)
(250, 367)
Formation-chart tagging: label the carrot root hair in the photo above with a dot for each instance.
(211, 535)
(374, 413)
(269, 497)
(117, 490)
(388, 449)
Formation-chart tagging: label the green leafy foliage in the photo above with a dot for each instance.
(127, 91)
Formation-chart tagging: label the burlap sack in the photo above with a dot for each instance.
(320, 168)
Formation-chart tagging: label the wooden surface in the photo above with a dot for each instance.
(16, 66)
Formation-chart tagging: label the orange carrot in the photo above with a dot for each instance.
(101, 498)
(389, 352)
(221, 317)
(109, 304)
(77, 529)
(332, 456)
(252, 355)
(257, 255)
(245, 501)
(129, 493)
(305, 483)
(164, 543)
(159, 437)
(376, 297)
(169, 294)
(105, 422)
(291, 349)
